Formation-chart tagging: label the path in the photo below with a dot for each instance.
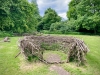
(53, 58)
(58, 69)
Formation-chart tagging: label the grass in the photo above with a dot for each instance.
(93, 61)
(18, 66)
(9, 65)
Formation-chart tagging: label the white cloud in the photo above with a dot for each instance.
(63, 15)
(60, 6)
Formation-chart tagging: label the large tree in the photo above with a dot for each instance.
(72, 12)
(86, 14)
(18, 15)
(5, 20)
(50, 16)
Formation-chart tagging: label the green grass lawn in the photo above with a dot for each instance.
(18, 66)
(93, 60)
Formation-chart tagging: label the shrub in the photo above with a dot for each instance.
(4, 34)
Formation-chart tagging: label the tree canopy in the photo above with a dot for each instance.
(86, 14)
(21, 16)
(18, 15)
(50, 16)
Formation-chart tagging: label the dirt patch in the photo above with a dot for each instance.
(59, 70)
(53, 58)
(56, 58)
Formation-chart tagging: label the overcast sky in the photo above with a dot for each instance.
(60, 6)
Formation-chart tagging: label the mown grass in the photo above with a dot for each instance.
(92, 66)
(18, 66)
(9, 65)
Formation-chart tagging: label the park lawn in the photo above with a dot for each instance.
(92, 66)
(18, 66)
(9, 65)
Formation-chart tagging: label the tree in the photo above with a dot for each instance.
(24, 16)
(5, 21)
(49, 17)
(72, 12)
(18, 16)
(86, 15)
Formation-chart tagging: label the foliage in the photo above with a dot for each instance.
(86, 15)
(62, 27)
(18, 16)
(5, 34)
(49, 17)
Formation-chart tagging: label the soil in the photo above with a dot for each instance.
(53, 58)
(59, 70)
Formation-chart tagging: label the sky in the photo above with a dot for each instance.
(60, 6)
